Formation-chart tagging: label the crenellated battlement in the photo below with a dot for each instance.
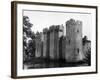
(73, 22)
(45, 30)
(56, 28)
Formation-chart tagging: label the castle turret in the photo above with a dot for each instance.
(45, 43)
(73, 41)
(38, 41)
(56, 31)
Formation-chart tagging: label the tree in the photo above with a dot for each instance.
(87, 50)
(84, 39)
(28, 39)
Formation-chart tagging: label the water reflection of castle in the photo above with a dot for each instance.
(53, 44)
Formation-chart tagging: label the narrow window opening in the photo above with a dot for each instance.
(78, 50)
(69, 41)
(77, 31)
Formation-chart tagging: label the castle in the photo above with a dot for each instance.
(53, 44)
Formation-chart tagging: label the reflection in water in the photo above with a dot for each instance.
(52, 64)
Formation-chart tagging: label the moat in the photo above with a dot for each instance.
(44, 63)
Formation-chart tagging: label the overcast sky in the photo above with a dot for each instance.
(43, 19)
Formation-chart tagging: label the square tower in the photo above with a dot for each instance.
(38, 43)
(74, 51)
(56, 31)
(45, 43)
